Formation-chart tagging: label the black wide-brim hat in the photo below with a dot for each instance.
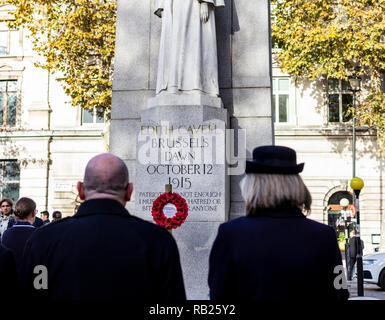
(274, 159)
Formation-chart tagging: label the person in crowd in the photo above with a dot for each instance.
(9, 284)
(275, 253)
(103, 252)
(15, 237)
(12, 220)
(6, 206)
(56, 215)
(44, 215)
(353, 251)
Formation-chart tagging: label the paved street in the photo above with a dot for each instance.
(370, 290)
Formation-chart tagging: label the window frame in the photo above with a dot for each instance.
(3, 182)
(94, 117)
(9, 43)
(5, 94)
(340, 92)
(276, 93)
(8, 40)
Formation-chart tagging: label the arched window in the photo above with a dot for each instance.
(339, 218)
(337, 196)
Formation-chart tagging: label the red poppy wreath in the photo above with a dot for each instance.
(181, 207)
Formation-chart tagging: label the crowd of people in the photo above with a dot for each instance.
(103, 252)
(17, 225)
(9, 217)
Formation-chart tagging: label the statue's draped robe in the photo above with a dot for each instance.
(188, 48)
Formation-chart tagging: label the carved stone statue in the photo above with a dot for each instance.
(188, 48)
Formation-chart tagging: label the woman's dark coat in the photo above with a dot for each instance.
(278, 255)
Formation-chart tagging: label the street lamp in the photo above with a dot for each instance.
(357, 184)
(344, 204)
(355, 85)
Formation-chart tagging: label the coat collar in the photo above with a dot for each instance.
(280, 213)
(101, 206)
(23, 224)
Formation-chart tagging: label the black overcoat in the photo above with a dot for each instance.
(9, 283)
(353, 247)
(278, 255)
(103, 253)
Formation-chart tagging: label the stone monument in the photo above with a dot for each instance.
(180, 84)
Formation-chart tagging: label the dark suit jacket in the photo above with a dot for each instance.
(8, 274)
(353, 247)
(15, 239)
(104, 253)
(277, 255)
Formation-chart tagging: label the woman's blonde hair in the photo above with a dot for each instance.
(268, 191)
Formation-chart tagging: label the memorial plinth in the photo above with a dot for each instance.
(183, 146)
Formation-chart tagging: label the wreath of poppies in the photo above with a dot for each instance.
(158, 214)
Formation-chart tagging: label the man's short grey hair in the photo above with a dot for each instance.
(106, 174)
(269, 191)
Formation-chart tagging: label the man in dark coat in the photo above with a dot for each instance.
(16, 237)
(103, 252)
(37, 223)
(353, 251)
(275, 253)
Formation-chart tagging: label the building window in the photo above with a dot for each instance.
(8, 102)
(90, 117)
(9, 179)
(340, 100)
(281, 99)
(9, 40)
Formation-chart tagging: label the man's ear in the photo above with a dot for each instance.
(129, 190)
(80, 188)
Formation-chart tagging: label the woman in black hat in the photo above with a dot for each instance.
(275, 252)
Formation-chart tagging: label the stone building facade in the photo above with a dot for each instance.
(44, 142)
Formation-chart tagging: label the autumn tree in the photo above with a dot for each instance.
(335, 39)
(75, 38)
